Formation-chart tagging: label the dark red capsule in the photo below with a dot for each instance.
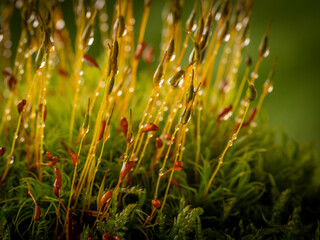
(49, 156)
(139, 51)
(102, 128)
(156, 203)
(149, 127)
(21, 105)
(126, 167)
(178, 166)
(105, 198)
(2, 151)
(90, 61)
(124, 126)
(159, 143)
(37, 213)
(58, 181)
(56, 191)
(251, 117)
(62, 72)
(12, 82)
(74, 158)
(224, 112)
(53, 161)
(107, 236)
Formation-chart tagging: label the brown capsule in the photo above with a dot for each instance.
(199, 29)
(39, 58)
(185, 116)
(263, 47)
(170, 50)
(87, 35)
(159, 143)
(62, 72)
(74, 159)
(190, 22)
(178, 166)
(148, 56)
(149, 127)
(158, 74)
(252, 93)
(168, 137)
(195, 55)
(21, 105)
(44, 111)
(53, 162)
(107, 236)
(204, 38)
(251, 117)
(208, 21)
(156, 203)
(190, 93)
(37, 213)
(249, 61)
(111, 84)
(119, 27)
(174, 80)
(126, 167)
(116, 238)
(102, 128)
(225, 11)
(12, 82)
(90, 61)
(2, 151)
(56, 191)
(105, 198)
(58, 182)
(139, 51)
(223, 32)
(49, 156)
(115, 51)
(6, 73)
(124, 126)
(222, 114)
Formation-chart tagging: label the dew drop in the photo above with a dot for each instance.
(246, 42)
(238, 26)
(42, 64)
(60, 24)
(90, 41)
(266, 54)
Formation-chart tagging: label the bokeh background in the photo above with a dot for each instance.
(293, 106)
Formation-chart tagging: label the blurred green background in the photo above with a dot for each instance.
(294, 38)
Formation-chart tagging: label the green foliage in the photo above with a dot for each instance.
(119, 224)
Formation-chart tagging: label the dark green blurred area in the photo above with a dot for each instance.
(294, 39)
